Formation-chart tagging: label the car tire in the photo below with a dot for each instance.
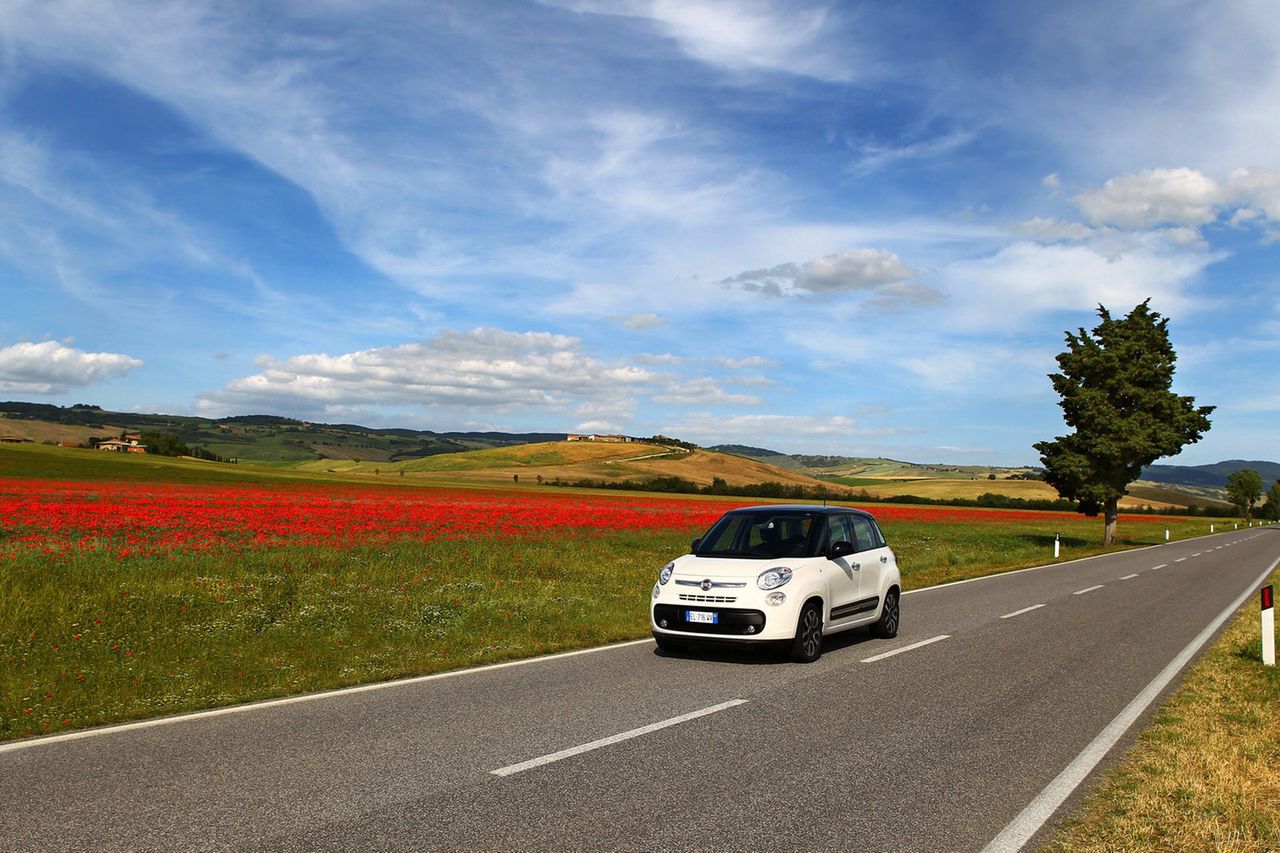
(886, 627)
(807, 645)
(669, 645)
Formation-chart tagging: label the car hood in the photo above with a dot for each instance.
(690, 567)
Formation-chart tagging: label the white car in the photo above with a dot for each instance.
(782, 575)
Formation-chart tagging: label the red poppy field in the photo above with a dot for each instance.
(121, 600)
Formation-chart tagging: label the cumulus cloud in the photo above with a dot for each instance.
(1258, 190)
(1153, 197)
(481, 368)
(853, 270)
(659, 358)
(50, 367)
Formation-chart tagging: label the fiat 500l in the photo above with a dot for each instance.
(786, 575)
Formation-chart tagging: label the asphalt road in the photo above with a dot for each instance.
(938, 747)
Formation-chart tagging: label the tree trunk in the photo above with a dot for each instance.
(1111, 512)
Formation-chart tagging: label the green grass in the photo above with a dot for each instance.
(87, 639)
(1206, 774)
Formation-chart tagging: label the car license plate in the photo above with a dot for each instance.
(700, 616)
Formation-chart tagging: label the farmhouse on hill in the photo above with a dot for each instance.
(616, 439)
(116, 445)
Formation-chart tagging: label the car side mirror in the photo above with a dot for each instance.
(693, 546)
(839, 549)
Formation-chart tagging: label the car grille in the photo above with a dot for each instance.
(709, 599)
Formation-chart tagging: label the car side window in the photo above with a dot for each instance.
(863, 530)
(879, 536)
(838, 530)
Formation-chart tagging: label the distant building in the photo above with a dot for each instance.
(116, 445)
(14, 439)
(615, 439)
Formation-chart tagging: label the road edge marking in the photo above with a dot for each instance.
(520, 767)
(1028, 822)
(305, 697)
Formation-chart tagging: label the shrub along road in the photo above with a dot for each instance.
(998, 685)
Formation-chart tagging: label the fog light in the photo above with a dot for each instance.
(751, 629)
(662, 623)
(773, 599)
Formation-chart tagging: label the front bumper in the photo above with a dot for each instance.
(730, 622)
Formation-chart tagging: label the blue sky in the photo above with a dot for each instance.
(843, 228)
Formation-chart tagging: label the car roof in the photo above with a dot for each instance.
(818, 509)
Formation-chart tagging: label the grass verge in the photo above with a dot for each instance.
(1205, 775)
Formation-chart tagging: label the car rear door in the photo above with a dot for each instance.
(844, 574)
(874, 558)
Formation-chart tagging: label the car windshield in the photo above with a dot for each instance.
(763, 535)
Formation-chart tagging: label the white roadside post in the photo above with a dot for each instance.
(1210, 528)
(1268, 627)
(1166, 534)
(1057, 545)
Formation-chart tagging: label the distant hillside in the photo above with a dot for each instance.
(266, 439)
(772, 457)
(1210, 476)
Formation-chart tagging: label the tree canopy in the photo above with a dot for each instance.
(1115, 388)
(1271, 509)
(1244, 488)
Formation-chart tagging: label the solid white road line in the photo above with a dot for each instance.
(612, 739)
(306, 697)
(1038, 811)
(1088, 589)
(1128, 577)
(884, 655)
(1023, 610)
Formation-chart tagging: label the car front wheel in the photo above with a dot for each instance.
(807, 646)
(886, 627)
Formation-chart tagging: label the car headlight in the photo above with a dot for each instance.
(665, 574)
(774, 578)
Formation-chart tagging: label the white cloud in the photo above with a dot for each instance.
(703, 391)
(50, 367)
(786, 430)
(1258, 190)
(481, 368)
(643, 321)
(1153, 197)
(661, 358)
(848, 271)
(744, 34)
(740, 363)
(1024, 279)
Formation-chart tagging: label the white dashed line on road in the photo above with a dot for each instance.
(1088, 589)
(884, 655)
(1180, 560)
(1129, 577)
(512, 769)
(1023, 610)
(1161, 566)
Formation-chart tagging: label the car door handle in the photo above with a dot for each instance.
(884, 559)
(857, 566)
